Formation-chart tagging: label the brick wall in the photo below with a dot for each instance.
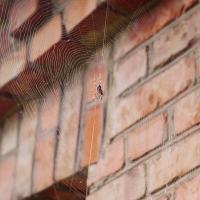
(140, 139)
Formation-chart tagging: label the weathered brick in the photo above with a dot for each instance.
(25, 152)
(146, 137)
(68, 136)
(188, 190)
(111, 162)
(50, 110)
(129, 186)
(130, 70)
(92, 134)
(153, 94)
(44, 162)
(47, 35)
(176, 39)
(10, 132)
(163, 198)
(17, 17)
(7, 172)
(173, 162)
(12, 64)
(150, 23)
(76, 10)
(186, 112)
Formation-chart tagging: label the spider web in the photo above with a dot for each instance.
(59, 66)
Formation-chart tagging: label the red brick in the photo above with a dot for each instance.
(7, 172)
(35, 21)
(17, 17)
(111, 162)
(75, 57)
(50, 110)
(76, 10)
(96, 75)
(33, 82)
(6, 105)
(150, 23)
(188, 190)
(173, 162)
(68, 137)
(10, 132)
(127, 5)
(71, 188)
(12, 64)
(154, 94)
(44, 162)
(26, 85)
(47, 35)
(130, 70)
(186, 112)
(25, 152)
(77, 181)
(91, 31)
(92, 134)
(146, 137)
(176, 39)
(129, 186)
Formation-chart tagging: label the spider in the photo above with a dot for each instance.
(99, 92)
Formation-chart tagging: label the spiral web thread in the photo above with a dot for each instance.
(68, 68)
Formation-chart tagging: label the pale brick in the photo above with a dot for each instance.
(153, 94)
(17, 17)
(146, 137)
(25, 152)
(45, 37)
(198, 63)
(12, 64)
(67, 145)
(130, 70)
(129, 186)
(7, 173)
(44, 162)
(10, 132)
(188, 190)
(176, 39)
(76, 10)
(149, 23)
(173, 162)
(50, 110)
(111, 162)
(187, 112)
(163, 198)
(96, 74)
